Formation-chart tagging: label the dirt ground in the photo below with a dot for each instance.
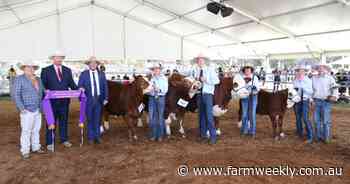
(119, 161)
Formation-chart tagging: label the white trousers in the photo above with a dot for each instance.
(30, 135)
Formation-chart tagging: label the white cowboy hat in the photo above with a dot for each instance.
(29, 63)
(302, 67)
(317, 66)
(58, 54)
(152, 66)
(92, 59)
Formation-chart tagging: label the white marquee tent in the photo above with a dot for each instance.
(171, 29)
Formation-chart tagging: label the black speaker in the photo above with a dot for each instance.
(213, 7)
(226, 11)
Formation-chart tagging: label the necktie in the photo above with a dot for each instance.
(201, 75)
(60, 77)
(94, 84)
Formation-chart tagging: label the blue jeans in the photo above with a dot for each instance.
(246, 115)
(206, 117)
(302, 115)
(61, 115)
(156, 116)
(322, 117)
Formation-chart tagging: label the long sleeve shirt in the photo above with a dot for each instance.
(25, 95)
(322, 86)
(211, 78)
(304, 85)
(161, 83)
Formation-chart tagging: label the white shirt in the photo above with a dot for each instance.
(92, 82)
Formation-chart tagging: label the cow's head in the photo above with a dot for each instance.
(193, 85)
(239, 90)
(293, 97)
(143, 83)
(185, 84)
(222, 96)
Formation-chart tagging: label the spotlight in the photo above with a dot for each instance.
(226, 11)
(213, 7)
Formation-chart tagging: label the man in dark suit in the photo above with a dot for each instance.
(95, 86)
(58, 77)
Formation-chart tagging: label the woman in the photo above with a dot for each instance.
(156, 104)
(303, 85)
(28, 91)
(249, 99)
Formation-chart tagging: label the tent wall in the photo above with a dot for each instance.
(34, 40)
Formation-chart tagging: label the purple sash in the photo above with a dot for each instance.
(59, 95)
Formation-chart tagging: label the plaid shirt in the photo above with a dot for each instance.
(25, 95)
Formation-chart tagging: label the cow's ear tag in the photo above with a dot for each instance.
(182, 102)
(141, 107)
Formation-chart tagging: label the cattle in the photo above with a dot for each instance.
(178, 90)
(125, 99)
(179, 99)
(273, 104)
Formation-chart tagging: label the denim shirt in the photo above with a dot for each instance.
(304, 84)
(25, 95)
(211, 79)
(161, 82)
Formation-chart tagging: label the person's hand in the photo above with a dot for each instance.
(105, 102)
(202, 79)
(46, 91)
(51, 127)
(24, 111)
(82, 89)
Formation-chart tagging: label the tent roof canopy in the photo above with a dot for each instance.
(255, 27)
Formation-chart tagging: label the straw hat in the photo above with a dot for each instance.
(92, 59)
(29, 63)
(57, 54)
(248, 65)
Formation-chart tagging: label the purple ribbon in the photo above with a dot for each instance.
(59, 95)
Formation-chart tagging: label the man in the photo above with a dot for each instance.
(303, 85)
(324, 94)
(156, 103)
(94, 83)
(58, 77)
(209, 78)
(262, 76)
(276, 79)
(27, 94)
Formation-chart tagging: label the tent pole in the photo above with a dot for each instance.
(92, 15)
(58, 27)
(124, 39)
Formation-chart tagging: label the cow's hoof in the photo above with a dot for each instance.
(135, 137)
(282, 135)
(239, 124)
(139, 123)
(106, 125)
(218, 132)
(183, 136)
